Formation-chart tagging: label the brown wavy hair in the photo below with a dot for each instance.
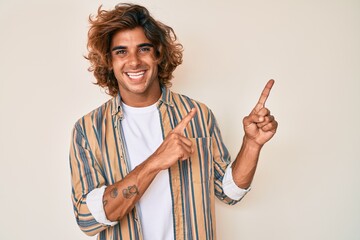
(129, 16)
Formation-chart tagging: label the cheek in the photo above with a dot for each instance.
(150, 59)
(153, 62)
(117, 70)
(116, 62)
(155, 69)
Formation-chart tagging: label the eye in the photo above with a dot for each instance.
(145, 49)
(120, 52)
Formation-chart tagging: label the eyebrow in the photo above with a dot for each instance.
(140, 45)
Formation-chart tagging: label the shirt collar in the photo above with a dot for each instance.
(166, 97)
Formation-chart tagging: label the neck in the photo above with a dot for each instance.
(141, 100)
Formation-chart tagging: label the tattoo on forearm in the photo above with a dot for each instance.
(114, 192)
(130, 191)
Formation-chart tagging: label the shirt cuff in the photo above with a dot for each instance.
(230, 188)
(94, 201)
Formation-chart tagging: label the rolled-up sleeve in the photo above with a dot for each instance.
(230, 187)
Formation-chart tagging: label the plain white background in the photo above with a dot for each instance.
(307, 185)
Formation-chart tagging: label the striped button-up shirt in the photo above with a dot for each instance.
(98, 157)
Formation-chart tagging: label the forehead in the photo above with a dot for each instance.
(129, 37)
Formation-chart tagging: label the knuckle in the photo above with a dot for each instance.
(177, 145)
(173, 136)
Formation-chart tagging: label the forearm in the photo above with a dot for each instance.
(121, 197)
(244, 166)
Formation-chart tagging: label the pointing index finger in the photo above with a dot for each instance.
(264, 95)
(185, 121)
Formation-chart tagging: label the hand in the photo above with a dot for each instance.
(175, 146)
(260, 126)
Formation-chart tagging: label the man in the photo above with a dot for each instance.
(148, 163)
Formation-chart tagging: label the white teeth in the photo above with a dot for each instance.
(136, 75)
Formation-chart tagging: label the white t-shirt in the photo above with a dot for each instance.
(143, 135)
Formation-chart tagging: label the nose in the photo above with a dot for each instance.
(134, 60)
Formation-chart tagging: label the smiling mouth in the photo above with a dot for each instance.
(135, 75)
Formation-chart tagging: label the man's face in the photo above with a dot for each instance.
(135, 67)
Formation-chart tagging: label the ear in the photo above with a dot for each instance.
(158, 51)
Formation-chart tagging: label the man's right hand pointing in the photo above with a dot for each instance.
(175, 146)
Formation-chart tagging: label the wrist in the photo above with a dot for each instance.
(153, 165)
(251, 144)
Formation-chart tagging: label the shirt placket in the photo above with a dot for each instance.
(125, 165)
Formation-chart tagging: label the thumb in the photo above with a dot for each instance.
(252, 119)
